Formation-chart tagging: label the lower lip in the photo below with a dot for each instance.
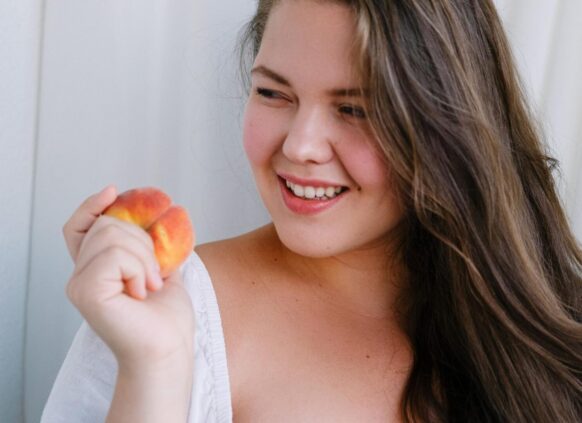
(307, 207)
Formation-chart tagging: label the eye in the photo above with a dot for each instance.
(354, 111)
(264, 92)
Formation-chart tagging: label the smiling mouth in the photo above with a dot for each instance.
(313, 193)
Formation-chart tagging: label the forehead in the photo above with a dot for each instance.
(311, 39)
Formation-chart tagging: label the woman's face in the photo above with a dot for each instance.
(303, 125)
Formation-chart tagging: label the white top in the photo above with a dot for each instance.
(84, 386)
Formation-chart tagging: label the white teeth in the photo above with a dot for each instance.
(310, 192)
(298, 190)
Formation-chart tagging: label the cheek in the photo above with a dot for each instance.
(365, 165)
(258, 140)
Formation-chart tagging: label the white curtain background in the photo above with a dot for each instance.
(146, 92)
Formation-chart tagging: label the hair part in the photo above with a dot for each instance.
(494, 300)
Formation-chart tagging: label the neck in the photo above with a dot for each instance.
(364, 283)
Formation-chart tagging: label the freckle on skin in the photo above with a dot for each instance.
(367, 355)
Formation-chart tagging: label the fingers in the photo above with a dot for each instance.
(83, 218)
(110, 223)
(108, 233)
(115, 269)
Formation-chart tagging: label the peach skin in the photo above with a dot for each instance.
(168, 225)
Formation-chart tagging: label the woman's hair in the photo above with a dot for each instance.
(493, 308)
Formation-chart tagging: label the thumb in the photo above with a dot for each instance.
(84, 217)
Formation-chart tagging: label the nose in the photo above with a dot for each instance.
(308, 139)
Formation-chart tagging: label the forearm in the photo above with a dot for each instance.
(157, 395)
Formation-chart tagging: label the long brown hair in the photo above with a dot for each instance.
(493, 309)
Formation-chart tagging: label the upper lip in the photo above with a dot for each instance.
(309, 182)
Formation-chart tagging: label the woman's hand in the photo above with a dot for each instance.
(83, 218)
(115, 266)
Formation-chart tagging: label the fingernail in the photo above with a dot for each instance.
(105, 189)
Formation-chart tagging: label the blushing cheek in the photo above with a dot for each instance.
(255, 138)
(365, 165)
(250, 144)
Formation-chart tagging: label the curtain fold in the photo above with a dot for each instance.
(546, 38)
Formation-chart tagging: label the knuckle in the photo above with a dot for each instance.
(86, 202)
(71, 291)
(149, 241)
(109, 233)
(115, 253)
(99, 222)
(65, 228)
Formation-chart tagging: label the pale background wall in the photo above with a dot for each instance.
(145, 93)
(20, 33)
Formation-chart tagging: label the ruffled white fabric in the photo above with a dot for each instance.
(211, 398)
(84, 386)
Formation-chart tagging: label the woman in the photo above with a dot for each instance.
(418, 267)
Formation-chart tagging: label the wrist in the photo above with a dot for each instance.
(154, 393)
(173, 365)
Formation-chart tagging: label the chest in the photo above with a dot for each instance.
(294, 357)
(312, 393)
(290, 365)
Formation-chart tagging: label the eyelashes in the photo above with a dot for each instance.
(263, 92)
(356, 112)
(346, 109)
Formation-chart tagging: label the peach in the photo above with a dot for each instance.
(167, 224)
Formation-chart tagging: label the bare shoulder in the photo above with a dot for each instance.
(237, 265)
(246, 255)
(225, 258)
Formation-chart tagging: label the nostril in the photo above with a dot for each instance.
(307, 148)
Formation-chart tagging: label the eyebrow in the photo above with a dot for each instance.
(335, 92)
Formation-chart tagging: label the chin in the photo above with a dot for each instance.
(313, 245)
